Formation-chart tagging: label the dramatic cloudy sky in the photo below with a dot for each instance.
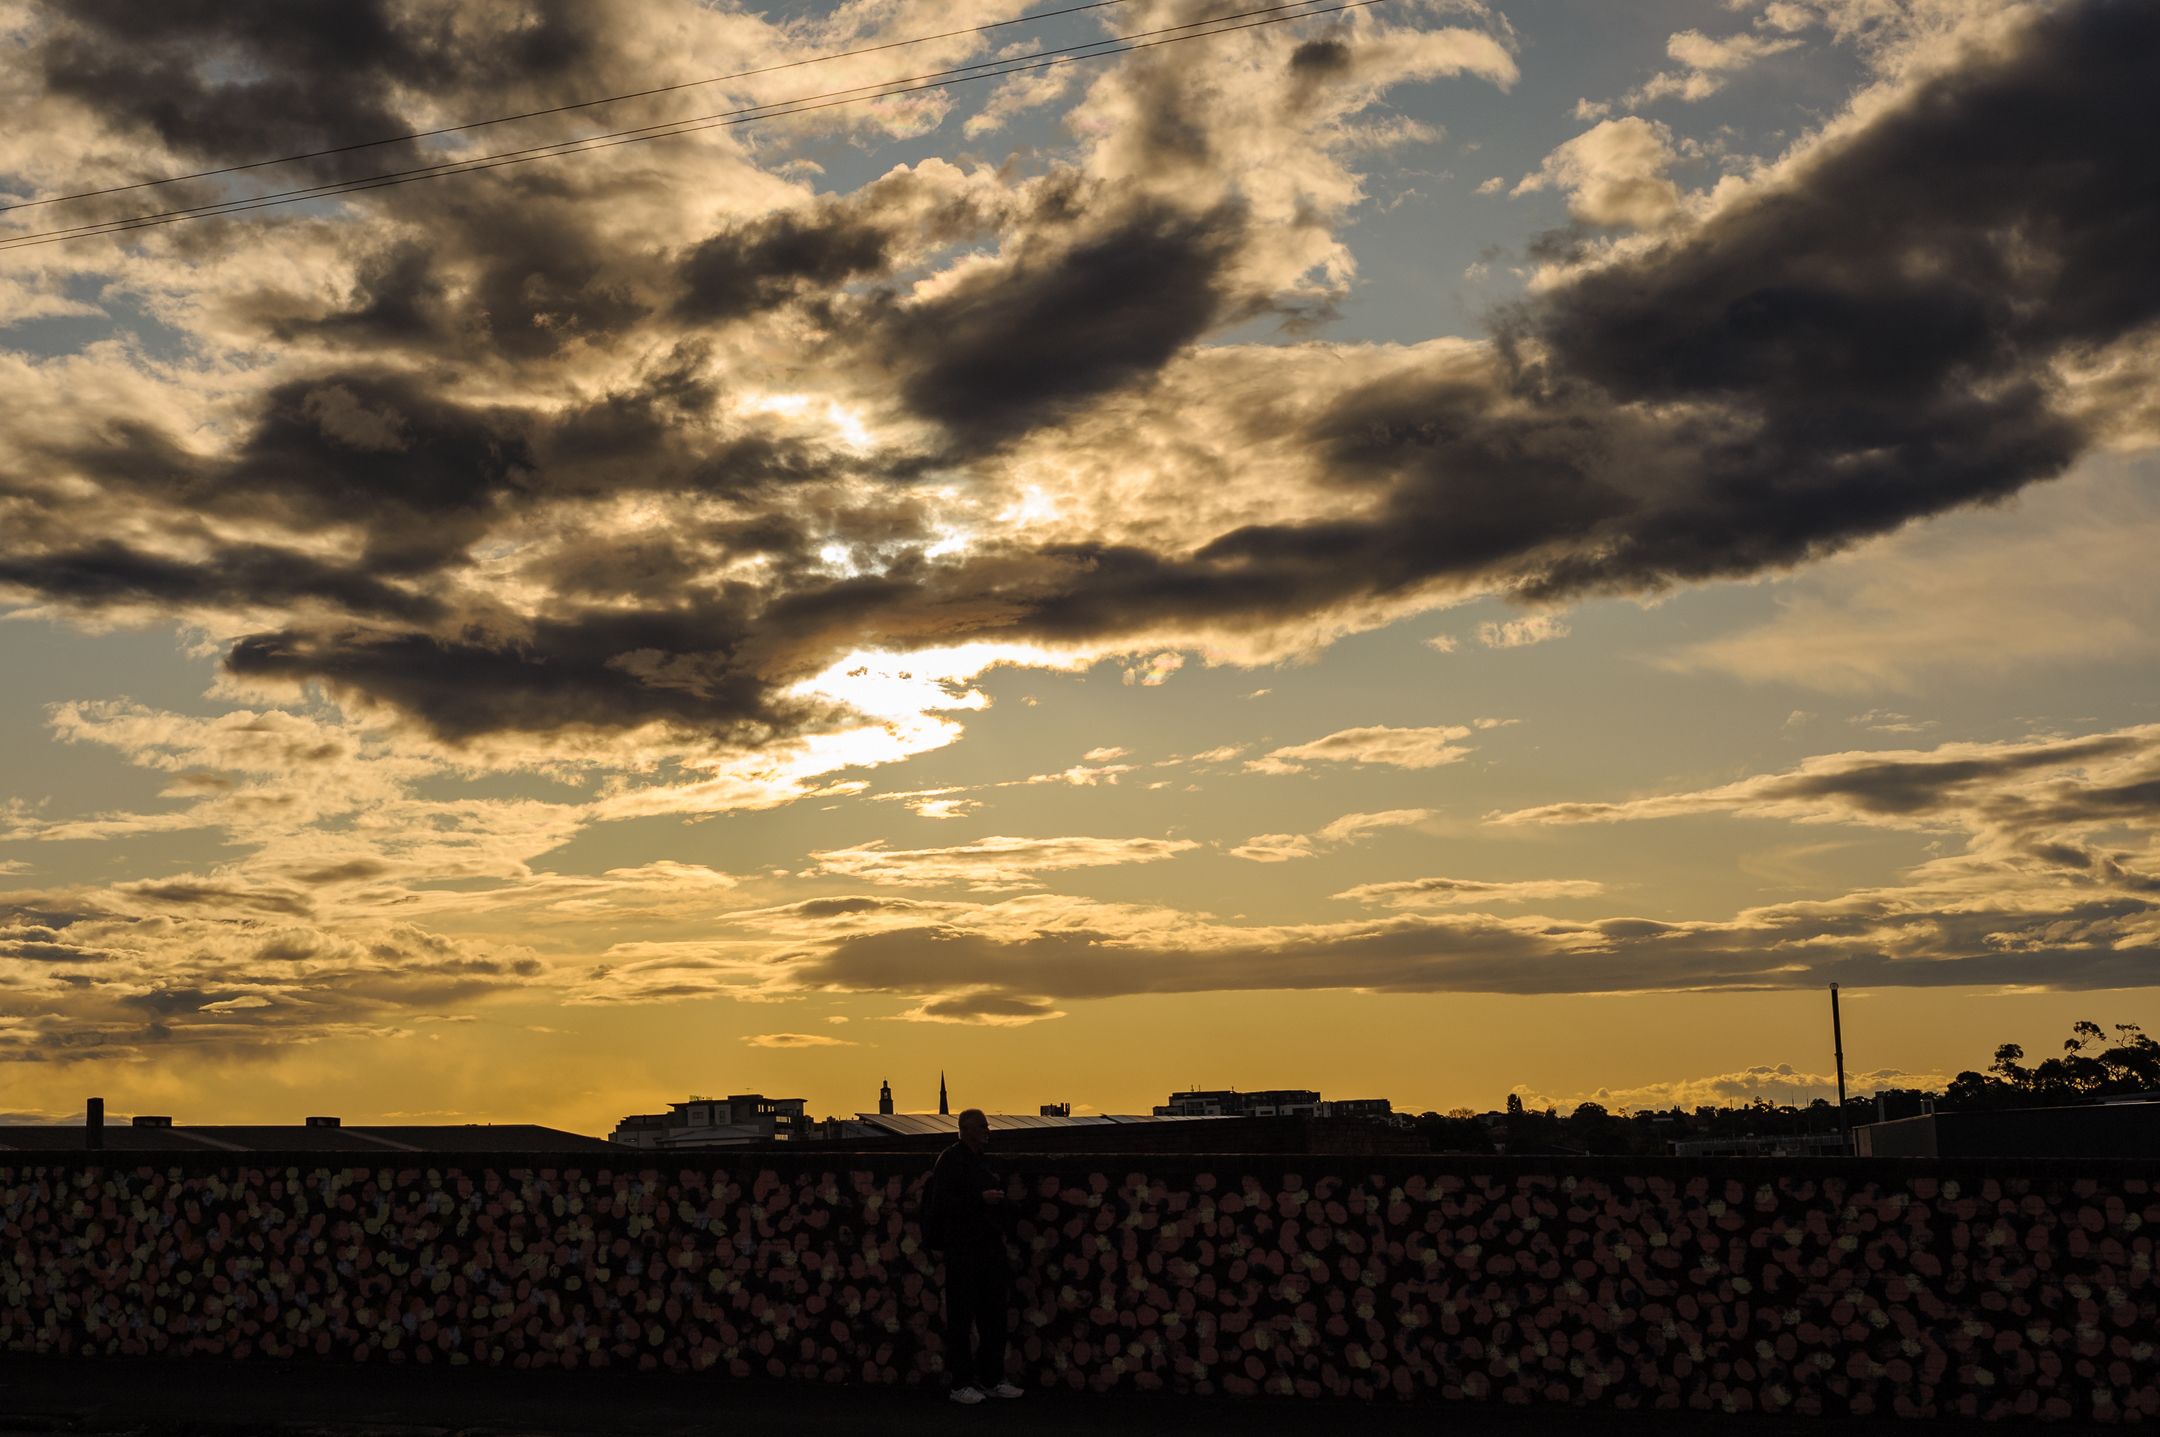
(1428, 550)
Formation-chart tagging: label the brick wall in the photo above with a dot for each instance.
(1937, 1289)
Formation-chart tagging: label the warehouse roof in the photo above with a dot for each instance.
(293, 1138)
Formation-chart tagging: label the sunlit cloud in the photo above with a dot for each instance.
(1707, 64)
(1454, 892)
(1282, 847)
(1521, 633)
(996, 862)
(1156, 671)
(1380, 745)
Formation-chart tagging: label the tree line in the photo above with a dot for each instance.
(2091, 1065)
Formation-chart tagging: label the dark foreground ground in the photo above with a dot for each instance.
(206, 1397)
(39, 1396)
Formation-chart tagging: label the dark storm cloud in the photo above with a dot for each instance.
(237, 80)
(1315, 64)
(619, 569)
(530, 283)
(659, 569)
(545, 286)
(223, 898)
(1865, 341)
(419, 472)
(514, 264)
(390, 450)
(509, 267)
(398, 297)
(769, 261)
(2078, 945)
(600, 668)
(1885, 322)
(1320, 58)
(1017, 345)
(1862, 344)
(421, 476)
(1170, 119)
(658, 433)
(1867, 338)
(378, 449)
(110, 573)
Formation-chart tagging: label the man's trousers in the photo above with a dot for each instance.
(978, 1289)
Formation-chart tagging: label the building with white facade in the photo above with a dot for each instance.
(739, 1118)
(1230, 1103)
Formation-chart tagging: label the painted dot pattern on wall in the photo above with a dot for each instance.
(1746, 1289)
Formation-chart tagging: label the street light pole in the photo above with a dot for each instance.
(1837, 1039)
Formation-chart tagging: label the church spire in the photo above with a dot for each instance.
(942, 1110)
(884, 1098)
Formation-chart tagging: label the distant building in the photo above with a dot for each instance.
(925, 1126)
(1055, 1110)
(1200, 1103)
(1229, 1103)
(1281, 1103)
(1894, 1103)
(738, 1119)
(1357, 1108)
(884, 1097)
(1769, 1145)
(909, 1124)
(2122, 1130)
(160, 1134)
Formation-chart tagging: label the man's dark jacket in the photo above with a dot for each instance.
(966, 1226)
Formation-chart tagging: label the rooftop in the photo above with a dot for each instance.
(298, 1138)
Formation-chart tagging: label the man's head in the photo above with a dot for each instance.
(974, 1128)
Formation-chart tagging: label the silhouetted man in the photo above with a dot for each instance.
(968, 1200)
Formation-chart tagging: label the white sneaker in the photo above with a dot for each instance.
(968, 1395)
(1006, 1389)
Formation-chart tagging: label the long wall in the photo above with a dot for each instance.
(1915, 1288)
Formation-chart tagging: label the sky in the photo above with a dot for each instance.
(1425, 550)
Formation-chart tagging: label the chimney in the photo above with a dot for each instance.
(94, 1124)
(320, 1122)
(145, 1120)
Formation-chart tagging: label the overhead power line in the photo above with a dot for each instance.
(559, 109)
(1066, 55)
